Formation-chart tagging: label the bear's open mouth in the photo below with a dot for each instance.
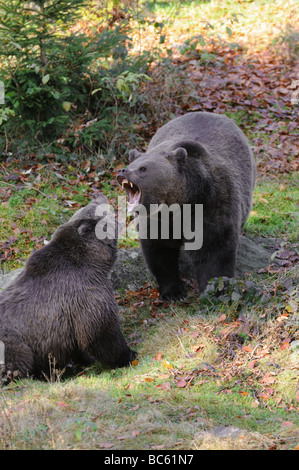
(132, 191)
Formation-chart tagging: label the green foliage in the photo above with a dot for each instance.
(37, 80)
(238, 297)
(274, 208)
(60, 80)
(234, 292)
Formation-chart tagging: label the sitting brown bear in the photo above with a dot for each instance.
(196, 159)
(62, 305)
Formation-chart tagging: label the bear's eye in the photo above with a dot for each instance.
(142, 169)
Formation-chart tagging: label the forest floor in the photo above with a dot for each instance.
(211, 374)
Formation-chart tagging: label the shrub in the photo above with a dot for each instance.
(63, 87)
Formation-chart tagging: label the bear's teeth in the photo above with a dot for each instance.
(131, 184)
(124, 182)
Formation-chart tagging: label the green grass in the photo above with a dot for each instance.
(30, 215)
(274, 212)
(200, 365)
(34, 206)
(143, 407)
(238, 16)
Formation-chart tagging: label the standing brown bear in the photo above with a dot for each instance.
(62, 305)
(199, 158)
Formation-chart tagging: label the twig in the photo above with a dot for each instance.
(184, 350)
(253, 351)
(35, 189)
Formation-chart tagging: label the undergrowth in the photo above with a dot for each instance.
(225, 359)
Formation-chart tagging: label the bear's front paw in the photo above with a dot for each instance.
(171, 294)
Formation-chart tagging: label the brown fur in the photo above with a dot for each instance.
(63, 304)
(198, 158)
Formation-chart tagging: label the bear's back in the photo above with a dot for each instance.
(225, 143)
(214, 131)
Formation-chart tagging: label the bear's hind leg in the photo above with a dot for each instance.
(110, 348)
(18, 358)
(210, 265)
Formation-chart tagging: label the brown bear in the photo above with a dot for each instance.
(196, 159)
(62, 305)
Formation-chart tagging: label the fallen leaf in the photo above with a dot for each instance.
(153, 400)
(181, 383)
(163, 376)
(266, 394)
(282, 317)
(267, 379)
(247, 348)
(158, 357)
(289, 308)
(252, 364)
(285, 344)
(167, 365)
(106, 445)
(164, 386)
(221, 318)
(287, 423)
(197, 347)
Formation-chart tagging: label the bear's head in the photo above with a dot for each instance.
(92, 231)
(167, 174)
(88, 238)
(155, 177)
(89, 211)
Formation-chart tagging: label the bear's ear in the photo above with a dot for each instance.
(180, 154)
(85, 226)
(133, 154)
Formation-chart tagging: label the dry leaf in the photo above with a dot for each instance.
(164, 386)
(267, 379)
(252, 364)
(106, 445)
(221, 318)
(287, 423)
(285, 344)
(167, 365)
(158, 357)
(181, 383)
(197, 347)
